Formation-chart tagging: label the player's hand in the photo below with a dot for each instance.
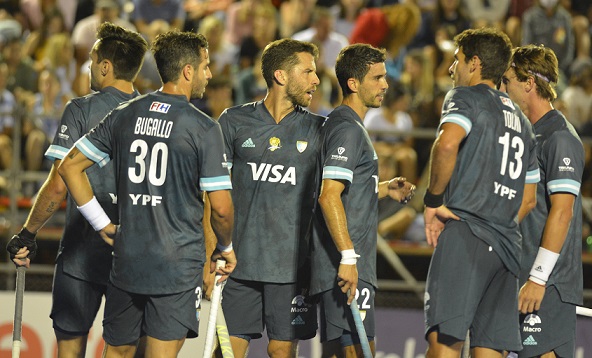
(225, 271)
(22, 248)
(108, 233)
(208, 283)
(435, 219)
(530, 297)
(401, 190)
(347, 279)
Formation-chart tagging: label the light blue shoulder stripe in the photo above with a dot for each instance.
(56, 152)
(91, 152)
(533, 176)
(215, 183)
(332, 172)
(459, 119)
(563, 186)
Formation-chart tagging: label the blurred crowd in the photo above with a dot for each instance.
(44, 47)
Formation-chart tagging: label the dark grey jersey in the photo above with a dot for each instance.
(273, 178)
(495, 160)
(85, 255)
(347, 155)
(163, 151)
(561, 162)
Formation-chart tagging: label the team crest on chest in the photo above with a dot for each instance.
(274, 143)
(301, 145)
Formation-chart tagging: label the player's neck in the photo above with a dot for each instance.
(537, 108)
(278, 105)
(121, 85)
(354, 102)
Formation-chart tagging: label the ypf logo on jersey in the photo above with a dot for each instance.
(160, 107)
(566, 167)
(274, 143)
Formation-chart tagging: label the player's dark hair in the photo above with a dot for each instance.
(541, 64)
(174, 49)
(492, 46)
(354, 61)
(124, 48)
(283, 55)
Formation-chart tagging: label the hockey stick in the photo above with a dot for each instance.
(584, 311)
(361, 329)
(223, 337)
(215, 303)
(18, 312)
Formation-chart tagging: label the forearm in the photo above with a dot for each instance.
(72, 170)
(222, 216)
(443, 160)
(556, 229)
(336, 221)
(383, 189)
(48, 201)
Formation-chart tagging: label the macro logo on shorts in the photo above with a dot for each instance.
(273, 173)
(274, 144)
(566, 167)
(299, 304)
(339, 155)
(530, 321)
(62, 134)
(160, 107)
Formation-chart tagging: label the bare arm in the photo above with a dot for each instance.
(336, 220)
(222, 220)
(556, 229)
(73, 171)
(528, 201)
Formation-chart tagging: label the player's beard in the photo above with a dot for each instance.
(94, 84)
(297, 95)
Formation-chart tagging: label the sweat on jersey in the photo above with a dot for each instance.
(84, 254)
(273, 177)
(495, 160)
(164, 150)
(561, 163)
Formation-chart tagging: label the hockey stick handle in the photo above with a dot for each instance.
(584, 311)
(215, 303)
(361, 329)
(223, 337)
(18, 312)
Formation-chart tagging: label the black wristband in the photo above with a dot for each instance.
(26, 234)
(432, 200)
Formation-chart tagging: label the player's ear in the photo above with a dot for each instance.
(188, 72)
(352, 83)
(106, 66)
(280, 77)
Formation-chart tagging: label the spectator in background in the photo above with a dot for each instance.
(147, 11)
(347, 11)
(578, 98)
(550, 24)
(59, 57)
(84, 33)
(22, 76)
(264, 31)
(47, 104)
(418, 79)
(240, 17)
(487, 13)
(148, 79)
(392, 27)
(321, 32)
(7, 108)
(222, 53)
(295, 16)
(250, 85)
(35, 44)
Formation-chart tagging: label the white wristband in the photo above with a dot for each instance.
(94, 213)
(543, 266)
(349, 257)
(223, 248)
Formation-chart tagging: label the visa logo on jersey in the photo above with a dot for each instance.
(160, 107)
(273, 173)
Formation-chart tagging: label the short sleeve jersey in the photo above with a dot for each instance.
(164, 150)
(85, 255)
(495, 160)
(561, 163)
(347, 155)
(273, 178)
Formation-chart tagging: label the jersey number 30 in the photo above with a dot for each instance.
(157, 167)
(514, 166)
